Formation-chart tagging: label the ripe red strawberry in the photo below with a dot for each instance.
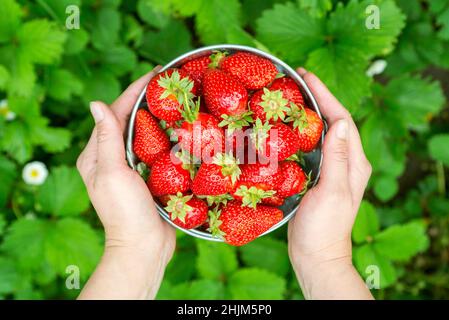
(274, 141)
(252, 71)
(239, 224)
(216, 178)
(269, 105)
(150, 141)
(201, 136)
(223, 94)
(169, 175)
(307, 125)
(167, 93)
(290, 90)
(274, 201)
(257, 183)
(294, 180)
(188, 212)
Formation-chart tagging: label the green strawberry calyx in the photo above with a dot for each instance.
(252, 196)
(306, 184)
(274, 105)
(229, 165)
(234, 122)
(177, 206)
(299, 117)
(260, 134)
(217, 200)
(179, 87)
(215, 223)
(188, 161)
(191, 110)
(216, 58)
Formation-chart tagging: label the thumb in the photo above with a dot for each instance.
(334, 171)
(110, 145)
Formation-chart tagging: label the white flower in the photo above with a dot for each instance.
(34, 173)
(377, 67)
(5, 112)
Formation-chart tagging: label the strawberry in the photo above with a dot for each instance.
(216, 178)
(169, 175)
(197, 67)
(278, 140)
(223, 94)
(294, 180)
(268, 105)
(150, 141)
(257, 183)
(188, 212)
(307, 125)
(252, 71)
(239, 224)
(274, 201)
(290, 90)
(200, 133)
(168, 92)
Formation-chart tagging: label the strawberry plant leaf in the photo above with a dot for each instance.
(72, 242)
(366, 256)
(366, 223)
(40, 41)
(62, 84)
(16, 142)
(316, 7)
(152, 14)
(202, 289)
(254, 283)
(385, 187)
(57, 8)
(63, 193)
(166, 44)
(9, 277)
(276, 253)
(77, 40)
(2, 223)
(119, 60)
(401, 242)
(10, 15)
(215, 261)
(105, 33)
(100, 85)
(290, 32)
(141, 69)
(8, 174)
(51, 139)
(182, 267)
(4, 77)
(438, 148)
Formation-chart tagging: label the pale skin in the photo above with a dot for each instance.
(139, 244)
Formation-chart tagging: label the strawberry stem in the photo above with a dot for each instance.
(229, 165)
(177, 206)
(216, 58)
(253, 195)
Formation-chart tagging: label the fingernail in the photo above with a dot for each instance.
(97, 111)
(342, 129)
(302, 71)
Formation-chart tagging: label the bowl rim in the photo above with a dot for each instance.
(131, 157)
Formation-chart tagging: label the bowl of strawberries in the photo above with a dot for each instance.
(228, 139)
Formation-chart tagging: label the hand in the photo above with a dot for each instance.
(320, 233)
(134, 231)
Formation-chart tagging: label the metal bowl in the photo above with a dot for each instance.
(313, 160)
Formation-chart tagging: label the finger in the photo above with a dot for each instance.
(330, 107)
(87, 160)
(125, 102)
(110, 145)
(334, 171)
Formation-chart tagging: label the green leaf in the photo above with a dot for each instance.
(401, 242)
(2, 223)
(193, 290)
(385, 187)
(40, 41)
(339, 70)
(149, 12)
(57, 8)
(366, 256)
(9, 277)
(141, 69)
(16, 142)
(105, 33)
(181, 268)
(438, 148)
(290, 32)
(166, 44)
(4, 77)
(23, 77)
(10, 15)
(416, 100)
(215, 261)
(267, 253)
(53, 140)
(62, 84)
(119, 60)
(101, 85)
(63, 193)
(8, 174)
(366, 224)
(77, 40)
(72, 242)
(316, 7)
(253, 283)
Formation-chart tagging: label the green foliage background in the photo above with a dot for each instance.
(48, 74)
